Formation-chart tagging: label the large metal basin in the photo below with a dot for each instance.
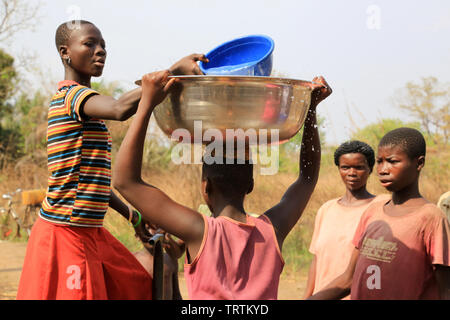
(251, 104)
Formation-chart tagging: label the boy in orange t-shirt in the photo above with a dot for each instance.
(402, 245)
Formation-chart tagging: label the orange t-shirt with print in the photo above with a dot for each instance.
(397, 254)
(331, 243)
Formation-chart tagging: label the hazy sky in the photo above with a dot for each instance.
(367, 50)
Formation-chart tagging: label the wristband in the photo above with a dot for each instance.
(130, 214)
(139, 219)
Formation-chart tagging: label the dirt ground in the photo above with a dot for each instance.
(12, 255)
(11, 260)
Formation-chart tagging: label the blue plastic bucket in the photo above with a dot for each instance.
(246, 56)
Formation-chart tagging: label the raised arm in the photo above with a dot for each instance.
(109, 108)
(154, 205)
(286, 213)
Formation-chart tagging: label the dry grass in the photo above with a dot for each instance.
(182, 184)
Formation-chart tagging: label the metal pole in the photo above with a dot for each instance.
(158, 267)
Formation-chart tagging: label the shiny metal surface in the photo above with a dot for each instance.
(235, 102)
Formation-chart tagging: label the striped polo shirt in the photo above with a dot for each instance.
(79, 161)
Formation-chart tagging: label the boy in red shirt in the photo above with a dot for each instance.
(402, 245)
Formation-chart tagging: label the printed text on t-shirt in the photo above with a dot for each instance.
(378, 249)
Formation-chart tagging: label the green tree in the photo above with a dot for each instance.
(437, 167)
(10, 136)
(429, 103)
(17, 15)
(33, 122)
(113, 89)
(372, 133)
(8, 79)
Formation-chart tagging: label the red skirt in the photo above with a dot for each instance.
(74, 263)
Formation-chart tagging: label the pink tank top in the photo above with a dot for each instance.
(236, 261)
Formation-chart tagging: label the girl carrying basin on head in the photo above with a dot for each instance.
(230, 255)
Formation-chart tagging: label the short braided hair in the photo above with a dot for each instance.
(65, 29)
(410, 140)
(231, 179)
(355, 146)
